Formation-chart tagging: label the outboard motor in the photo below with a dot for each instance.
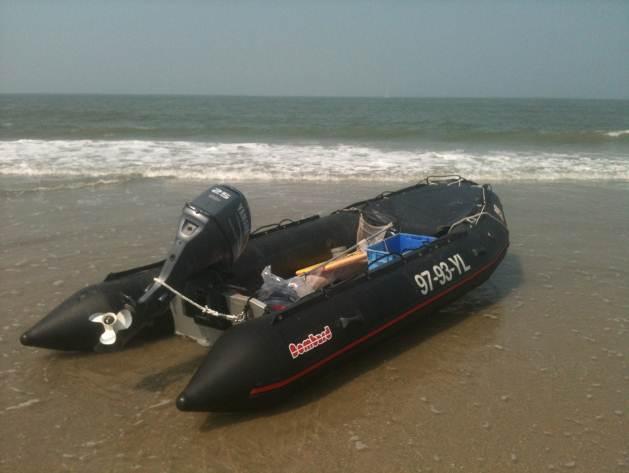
(213, 232)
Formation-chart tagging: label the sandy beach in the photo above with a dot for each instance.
(527, 373)
(113, 115)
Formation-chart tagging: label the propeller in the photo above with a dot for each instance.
(112, 324)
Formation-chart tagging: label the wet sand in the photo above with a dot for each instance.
(526, 373)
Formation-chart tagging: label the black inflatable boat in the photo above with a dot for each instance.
(281, 303)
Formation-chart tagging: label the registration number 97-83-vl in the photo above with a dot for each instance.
(441, 273)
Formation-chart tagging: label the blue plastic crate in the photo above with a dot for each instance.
(390, 248)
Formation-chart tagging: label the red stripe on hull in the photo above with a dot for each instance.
(374, 332)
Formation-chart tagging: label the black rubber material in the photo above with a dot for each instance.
(253, 364)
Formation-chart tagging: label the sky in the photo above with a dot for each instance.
(446, 48)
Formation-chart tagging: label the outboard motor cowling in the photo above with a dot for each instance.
(213, 232)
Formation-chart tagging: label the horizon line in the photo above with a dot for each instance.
(298, 96)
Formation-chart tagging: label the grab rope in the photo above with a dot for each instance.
(473, 219)
(272, 226)
(453, 178)
(238, 318)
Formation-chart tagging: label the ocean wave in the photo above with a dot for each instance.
(419, 133)
(114, 160)
(617, 134)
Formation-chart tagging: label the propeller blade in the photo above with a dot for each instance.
(108, 337)
(112, 324)
(124, 319)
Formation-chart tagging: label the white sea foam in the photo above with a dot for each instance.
(617, 133)
(22, 405)
(263, 161)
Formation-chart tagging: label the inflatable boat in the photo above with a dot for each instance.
(279, 304)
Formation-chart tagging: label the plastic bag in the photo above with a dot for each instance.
(279, 293)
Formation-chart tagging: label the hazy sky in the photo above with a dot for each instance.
(550, 48)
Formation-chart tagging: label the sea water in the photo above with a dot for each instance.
(528, 372)
(45, 139)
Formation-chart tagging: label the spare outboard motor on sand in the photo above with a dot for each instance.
(213, 232)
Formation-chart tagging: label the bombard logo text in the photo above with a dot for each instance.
(311, 342)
